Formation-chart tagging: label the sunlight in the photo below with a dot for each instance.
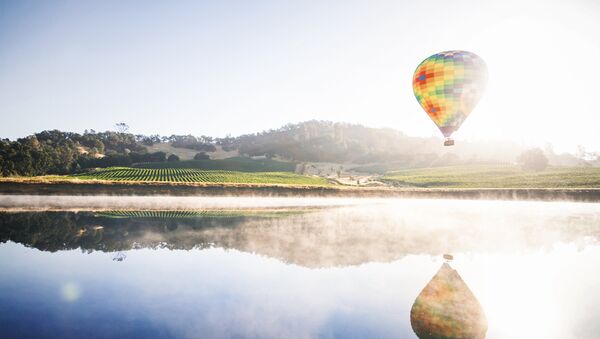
(520, 295)
(70, 291)
(531, 97)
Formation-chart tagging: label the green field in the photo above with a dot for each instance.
(240, 164)
(191, 175)
(489, 176)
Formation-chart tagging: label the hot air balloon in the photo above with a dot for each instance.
(448, 85)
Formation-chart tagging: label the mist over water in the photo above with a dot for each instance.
(62, 202)
(260, 267)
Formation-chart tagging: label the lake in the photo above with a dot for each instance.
(96, 267)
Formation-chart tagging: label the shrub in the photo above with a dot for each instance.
(201, 156)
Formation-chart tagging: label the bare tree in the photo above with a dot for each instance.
(121, 127)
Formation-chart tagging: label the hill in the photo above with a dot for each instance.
(372, 150)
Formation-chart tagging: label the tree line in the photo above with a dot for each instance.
(57, 152)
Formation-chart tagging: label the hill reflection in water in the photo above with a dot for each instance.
(312, 237)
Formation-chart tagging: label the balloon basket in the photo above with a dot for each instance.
(449, 142)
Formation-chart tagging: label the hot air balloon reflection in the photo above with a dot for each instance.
(448, 85)
(446, 308)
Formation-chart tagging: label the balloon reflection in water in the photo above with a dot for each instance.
(446, 308)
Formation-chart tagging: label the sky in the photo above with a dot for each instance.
(235, 67)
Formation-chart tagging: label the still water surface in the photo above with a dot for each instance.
(317, 270)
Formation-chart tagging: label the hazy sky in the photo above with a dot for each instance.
(243, 66)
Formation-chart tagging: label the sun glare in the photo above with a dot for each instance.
(520, 294)
(538, 89)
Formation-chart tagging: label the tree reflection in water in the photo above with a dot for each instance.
(309, 237)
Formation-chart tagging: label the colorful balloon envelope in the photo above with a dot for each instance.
(448, 85)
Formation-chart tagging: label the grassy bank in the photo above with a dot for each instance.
(470, 179)
(496, 177)
(70, 187)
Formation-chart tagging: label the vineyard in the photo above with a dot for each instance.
(187, 214)
(241, 164)
(496, 176)
(191, 175)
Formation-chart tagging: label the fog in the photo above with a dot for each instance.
(163, 203)
(314, 233)
(74, 203)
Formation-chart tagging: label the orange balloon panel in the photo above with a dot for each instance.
(448, 85)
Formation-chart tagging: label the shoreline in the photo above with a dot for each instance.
(116, 188)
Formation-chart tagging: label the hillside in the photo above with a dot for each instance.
(188, 153)
(322, 141)
(318, 147)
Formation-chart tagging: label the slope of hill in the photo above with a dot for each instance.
(323, 141)
(187, 153)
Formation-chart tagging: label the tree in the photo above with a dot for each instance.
(122, 127)
(201, 156)
(157, 157)
(533, 160)
(206, 139)
(172, 158)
